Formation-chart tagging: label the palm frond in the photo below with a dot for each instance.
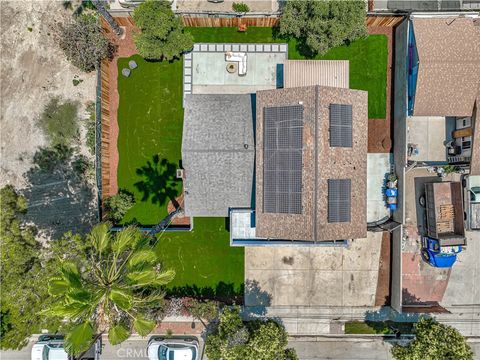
(58, 286)
(122, 298)
(100, 237)
(141, 258)
(79, 339)
(118, 334)
(71, 310)
(150, 277)
(125, 239)
(71, 274)
(143, 327)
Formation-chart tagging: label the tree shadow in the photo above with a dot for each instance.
(159, 182)
(59, 198)
(256, 299)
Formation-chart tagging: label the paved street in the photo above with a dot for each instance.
(135, 349)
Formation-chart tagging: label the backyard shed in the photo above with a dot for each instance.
(217, 153)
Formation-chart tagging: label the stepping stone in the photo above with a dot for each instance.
(132, 64)
(126, 72)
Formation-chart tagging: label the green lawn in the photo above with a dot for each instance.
(150, 119)
(378, 327)
(205, 263)
(368, 59)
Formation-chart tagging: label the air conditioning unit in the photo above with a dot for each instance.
(180, 173)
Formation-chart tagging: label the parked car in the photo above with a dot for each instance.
(471, 198)
(50, 347)
(177, 348)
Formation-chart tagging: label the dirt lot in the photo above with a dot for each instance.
(33, 70)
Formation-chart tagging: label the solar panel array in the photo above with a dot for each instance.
(282, 159)
(340, 125)
(339, 200)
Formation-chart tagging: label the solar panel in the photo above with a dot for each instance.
(340, 125)
(282, 159)
(339, 200)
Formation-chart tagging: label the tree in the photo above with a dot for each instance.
(233, 339)
(59, 121)
(321, 25)
(161, 36)
(115, 290)
(118, 205)
(22, 276)
(434, 341)
(203, 310)
(83, 42)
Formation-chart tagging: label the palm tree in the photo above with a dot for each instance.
(113, 291)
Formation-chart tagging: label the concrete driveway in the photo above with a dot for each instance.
(313, 276)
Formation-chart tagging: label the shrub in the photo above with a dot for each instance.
(162, 36)
(83, 42)
(240, 7)
(117, 206)
(322, 25)
(434, 341)
(59, 121)
(207, 310)
(80, 164)
(233, 339)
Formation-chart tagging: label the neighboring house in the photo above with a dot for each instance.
(443, 78)
(425, 5)
(218, 153)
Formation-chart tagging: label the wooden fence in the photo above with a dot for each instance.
(229, 22)
(105, 143)
(384, 21)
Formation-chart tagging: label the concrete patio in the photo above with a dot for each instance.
(205, 69)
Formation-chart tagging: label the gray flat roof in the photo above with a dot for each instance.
(218, 153)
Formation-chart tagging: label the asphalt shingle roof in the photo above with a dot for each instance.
(218, 153)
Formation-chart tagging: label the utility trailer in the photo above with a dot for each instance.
(445, 223)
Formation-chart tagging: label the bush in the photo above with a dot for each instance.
(83, 42)
(434, 341)
(80, 164)
(207, 310)
(233, 339)
(117, 206)
(240, 7)
(322, 25)
(162, 36)
(50, 158)
(59, 121)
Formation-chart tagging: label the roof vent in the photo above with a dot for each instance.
(245, 146)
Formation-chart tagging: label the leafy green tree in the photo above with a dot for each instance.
(117, 205)
(114, 291)
(321, 25)
(233, 339)
(434, 341)
(83, 42)
(59, 121)
(22, 276)
(161, 36)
